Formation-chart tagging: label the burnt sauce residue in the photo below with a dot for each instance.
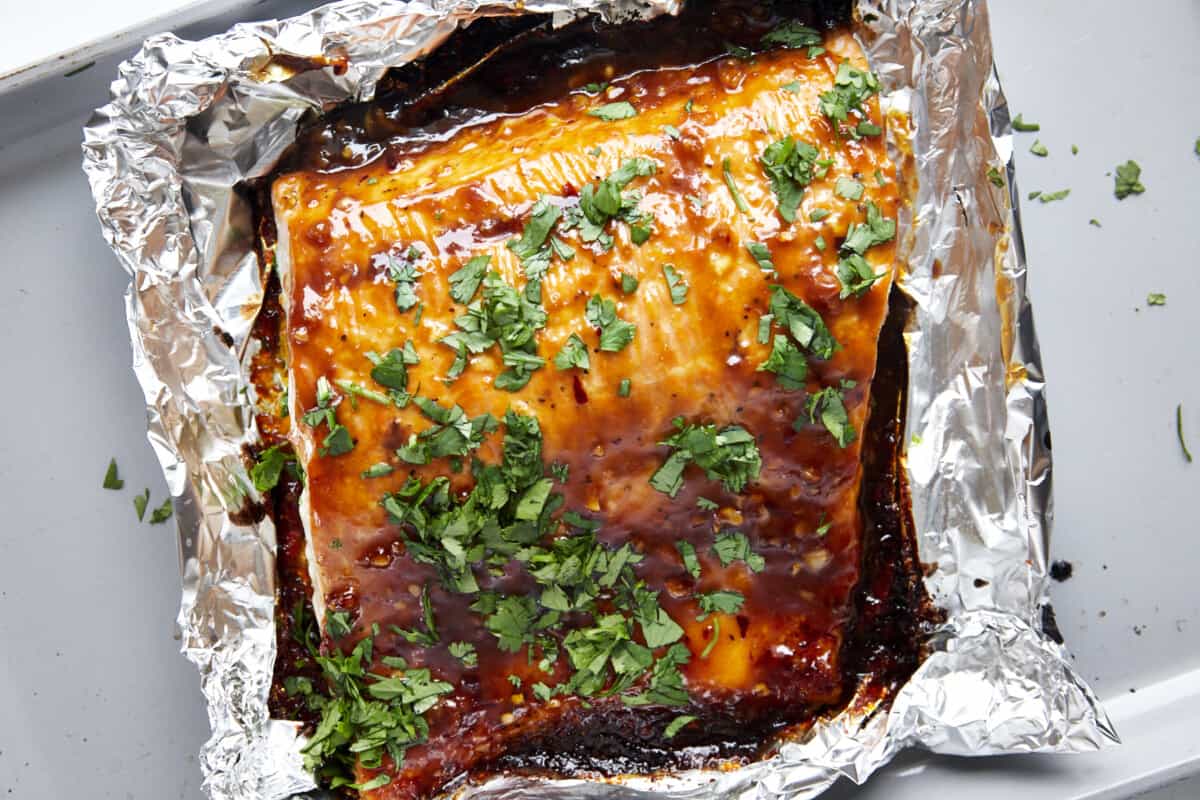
(509, 65)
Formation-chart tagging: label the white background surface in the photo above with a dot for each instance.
(95, 701)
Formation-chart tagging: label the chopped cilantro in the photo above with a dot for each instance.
(995, 176)
(502, 316)
(111, 480)
(140, 501)
(1050, 197)
(162, 513)
(624, 387)
(848, 188)
(268, 467)
(672, 131)
(615, 333)
(531, 248)
(727, 174)
(464, 652)
(733, 546)
(787, 362)
(828, 407)
(427, 637)
(1128, 180)
(739, 52)
(1039, 149)
(729, 455)
(337, 441)
(720, 602)
(378, 470)
(819, 243)
(761, 255)
(1156, 299)
(851, 89)
(856, 275)
(678, 724)
(402, 271)
(611, 112)
(599, 203)
(356, 391)
(865, 128)
(368, 715)
(465, 281)
(818, 214)
(792, 35)
(629, 284)
(574, 354)
(794, 87)
(704, 504)
(1095, 223)
(687, 552)
(802, 322)
(1074, 149)
(1025, 127)
(877, 230)
(677, 285)
(789, 166)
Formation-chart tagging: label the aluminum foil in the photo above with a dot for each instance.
(189, 120)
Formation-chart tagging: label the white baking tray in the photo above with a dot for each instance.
(95, 700)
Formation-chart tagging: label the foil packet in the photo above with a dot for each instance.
(188, 121)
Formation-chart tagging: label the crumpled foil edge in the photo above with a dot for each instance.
(189, 120)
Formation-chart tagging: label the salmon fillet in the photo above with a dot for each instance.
(578, 394)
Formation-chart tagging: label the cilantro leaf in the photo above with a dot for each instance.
(629, 284)
(465, 281)
(268, 467)
(729, 455)
(574, 354)
(691, 562)
(789, 166)
(1050, 197)
(465, 652)
(720, 602)
(848, 188)
(676, 284)
(828, 407)
(615, 333)
(727, 175)
(678, 724)
(611, 112)
(876, 230)
(140, 501)
(162, 513)
(856, 275)
(402, 271)
(793, 35)
(787, 362)
(851, 89)
(733, 546)
(1023, 126)
(378, 470)
(803, 323)
(111, 480)
(531, 248)
(1128, 180)
(761, 255)
(995, 176)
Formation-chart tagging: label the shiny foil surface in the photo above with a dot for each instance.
(188, 121)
